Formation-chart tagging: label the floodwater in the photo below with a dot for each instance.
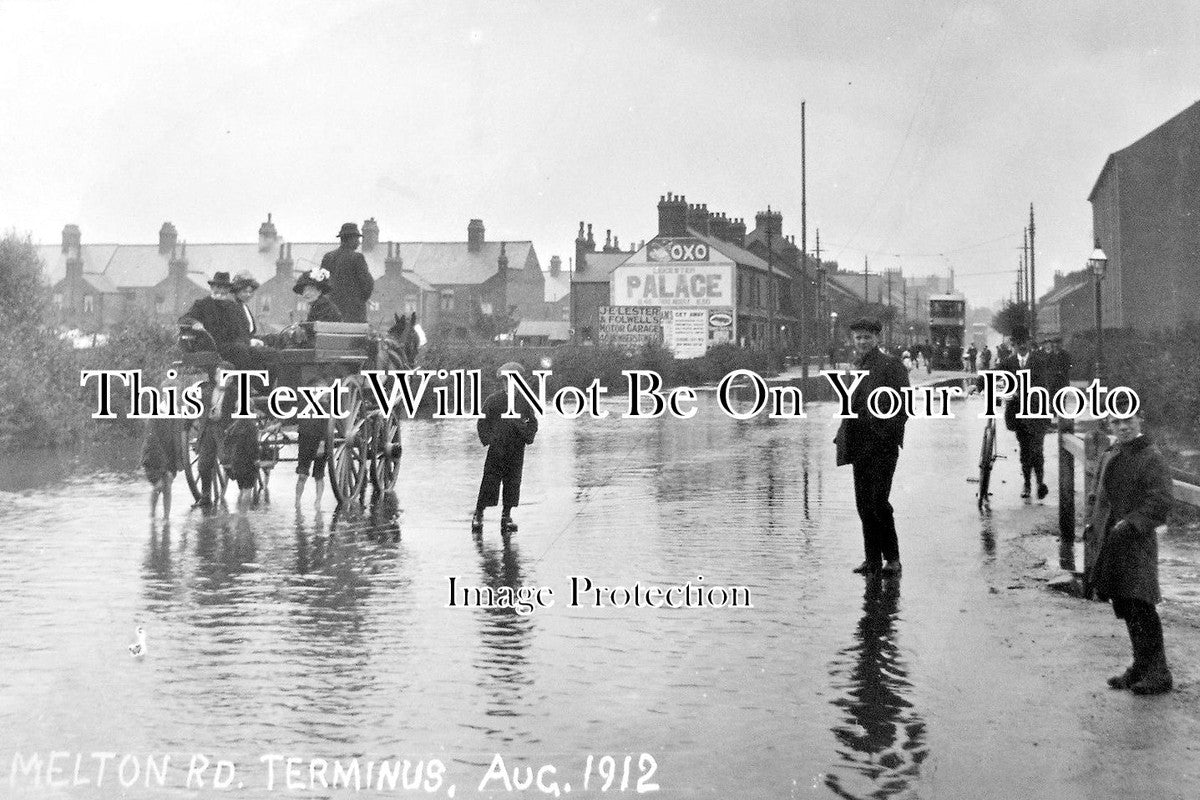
(281, 633)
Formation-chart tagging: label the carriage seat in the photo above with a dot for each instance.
(331, 341)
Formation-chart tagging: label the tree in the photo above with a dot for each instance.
(1011, 317)
(39, 377)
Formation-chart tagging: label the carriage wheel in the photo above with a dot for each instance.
(385, 454)
(269, 445)
(190, 446)
(346, 445)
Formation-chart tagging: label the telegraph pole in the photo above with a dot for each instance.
(803, 248)
(1032, 281)
(822, 293)
(770, 285)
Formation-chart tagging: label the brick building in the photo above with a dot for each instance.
(1146, 217)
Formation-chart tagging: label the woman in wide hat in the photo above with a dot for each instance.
(314, 287)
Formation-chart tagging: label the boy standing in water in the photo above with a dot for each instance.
(1130, 499)
(505, 440)
(162, 457)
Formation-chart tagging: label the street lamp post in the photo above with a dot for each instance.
(1097, 263)
(833, 342)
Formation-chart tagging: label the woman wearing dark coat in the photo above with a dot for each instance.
(1130, 499)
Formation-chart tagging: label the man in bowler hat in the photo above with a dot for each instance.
(350, 280)
(872, 445)
(1030, 433)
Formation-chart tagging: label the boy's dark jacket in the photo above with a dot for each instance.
(865, 436)
(1132, 485)
(505, 435)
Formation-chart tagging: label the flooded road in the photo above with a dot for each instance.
(279, 632)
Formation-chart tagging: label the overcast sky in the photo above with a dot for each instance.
(931, 125)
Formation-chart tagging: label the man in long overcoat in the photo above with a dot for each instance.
(872, 445)
(350, 280)
(1130, 498)
(505, 440)
(1031, 433)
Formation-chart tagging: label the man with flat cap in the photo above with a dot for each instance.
(872, 445)
(350, 280)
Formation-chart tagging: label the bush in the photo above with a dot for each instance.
(38, 373)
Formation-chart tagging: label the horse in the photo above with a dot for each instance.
(399, 348)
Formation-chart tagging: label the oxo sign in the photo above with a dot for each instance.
(662, 250)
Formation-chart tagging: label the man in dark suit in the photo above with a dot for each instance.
(1030, 433)
(872, 445)
(350, 279)
(214, 314)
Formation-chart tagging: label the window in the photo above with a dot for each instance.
(410, 305)
(58, 299)
(89, 304)
(486, 308)
(374, 304)
(264, 304)
(447, 299)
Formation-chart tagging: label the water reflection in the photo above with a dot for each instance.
(504, 635)
(881, 740)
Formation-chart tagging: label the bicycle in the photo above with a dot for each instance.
(987, 457)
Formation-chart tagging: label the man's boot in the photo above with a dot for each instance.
(1025, 485)
(1136, 670)
(1157, 678)
(477, 522)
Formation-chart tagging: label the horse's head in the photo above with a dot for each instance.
(398, 349)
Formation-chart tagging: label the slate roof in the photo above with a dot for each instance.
(599, 267)
(733, 252)
(427, 264)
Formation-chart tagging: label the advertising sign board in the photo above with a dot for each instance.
(630, 326)
(681, 284)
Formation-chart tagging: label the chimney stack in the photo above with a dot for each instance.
(771, 219)
(502, 261)
(697, 218)
(672, 215)
(580, 249)
(393, 264)
(475, 235)
(718, 226)
(370, 232)
(737, 232)
(168, 237)
(71, 238)
(608, 248)
(591, 242)
(267, 235)
(555, 265)
(284, 265)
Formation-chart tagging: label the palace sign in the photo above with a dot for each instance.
(700, 285)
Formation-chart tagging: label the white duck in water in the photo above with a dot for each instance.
(138, 648)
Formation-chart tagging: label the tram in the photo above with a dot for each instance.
(947, 329)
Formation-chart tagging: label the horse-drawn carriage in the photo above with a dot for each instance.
(361, 448)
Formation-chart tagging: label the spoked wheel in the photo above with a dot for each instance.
(987, 457)
(346, 445)
(270, 443)
(191, 447)
(386, 450)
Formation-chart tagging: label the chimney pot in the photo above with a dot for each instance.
(71, 239)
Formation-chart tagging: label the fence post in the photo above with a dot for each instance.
(1066, 484)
